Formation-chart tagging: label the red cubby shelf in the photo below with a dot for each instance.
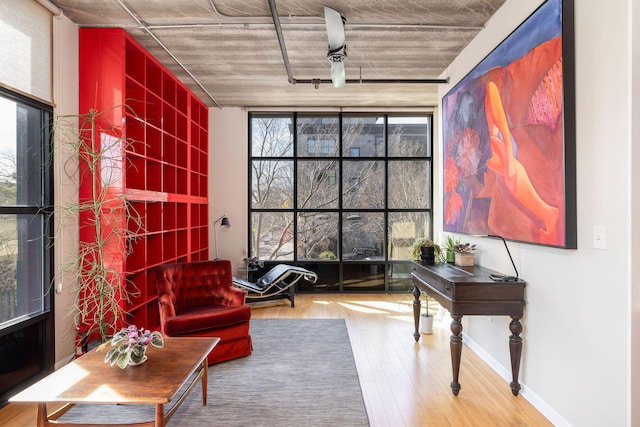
(134, 129)
(164, 158)
(153, 143)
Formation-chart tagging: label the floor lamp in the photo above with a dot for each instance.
(224, 223)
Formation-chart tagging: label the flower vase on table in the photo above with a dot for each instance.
(142, 360)
(129, 346)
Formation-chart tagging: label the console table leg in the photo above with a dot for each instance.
(456, 352)
(515, 350)
(416, 313)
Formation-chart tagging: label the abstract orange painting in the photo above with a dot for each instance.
(509, 139)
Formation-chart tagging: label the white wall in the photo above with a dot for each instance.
(634, 195)
(576, 325)
(65, 97)
(228, 180)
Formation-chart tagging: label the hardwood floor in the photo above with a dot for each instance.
(404, 383)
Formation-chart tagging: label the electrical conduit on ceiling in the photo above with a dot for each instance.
(278, 27)
(144, 26)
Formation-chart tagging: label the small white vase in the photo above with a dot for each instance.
(144, 359)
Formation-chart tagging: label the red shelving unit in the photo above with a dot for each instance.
(163, 164)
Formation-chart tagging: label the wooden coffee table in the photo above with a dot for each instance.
(88, 379)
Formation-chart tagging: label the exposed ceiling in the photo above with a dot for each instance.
(228, 51)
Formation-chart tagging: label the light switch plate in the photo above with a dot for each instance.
(599, 237)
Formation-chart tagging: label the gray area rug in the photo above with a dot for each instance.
(301, 373)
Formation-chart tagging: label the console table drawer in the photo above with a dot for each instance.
(443, 287)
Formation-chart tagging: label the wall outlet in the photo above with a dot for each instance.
(599, 237)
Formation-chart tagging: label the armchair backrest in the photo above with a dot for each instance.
(197, 283)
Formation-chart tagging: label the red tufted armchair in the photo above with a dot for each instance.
(199, 299)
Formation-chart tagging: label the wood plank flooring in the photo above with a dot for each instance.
(404, 383)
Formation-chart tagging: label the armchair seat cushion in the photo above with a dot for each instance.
(202, 318)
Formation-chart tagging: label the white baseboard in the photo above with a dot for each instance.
(537, 402)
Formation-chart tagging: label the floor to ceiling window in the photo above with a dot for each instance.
(344, 195)
(26, 321)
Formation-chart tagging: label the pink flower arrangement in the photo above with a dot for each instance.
(129, 345)
(465, 248)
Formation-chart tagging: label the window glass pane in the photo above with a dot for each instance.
(363, 277)
(317, 236)
(317, 184)
(362, 235)
(409, 184)
(272, 235)
(363, 136)
(22, 291)
(21, 355)
(404, 228)
(400, 276)
(271, 136)
(272, 184)
(20, 154)
(318, 136)
(328, 278)
(363, 186)
(409, 136)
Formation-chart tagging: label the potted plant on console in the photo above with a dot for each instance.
(425, 249)
(465, 254)
(449, 247)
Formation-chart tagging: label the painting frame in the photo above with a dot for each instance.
(509, 161)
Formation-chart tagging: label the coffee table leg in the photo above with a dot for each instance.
(205, 376)
(159, 415)
(41, 415)
(456, 352)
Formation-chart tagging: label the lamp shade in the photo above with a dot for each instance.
(225, 223)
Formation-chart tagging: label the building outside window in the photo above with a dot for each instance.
(356, 235)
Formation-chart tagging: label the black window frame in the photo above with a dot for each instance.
(342, 264)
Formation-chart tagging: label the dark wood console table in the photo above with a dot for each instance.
(470, 291)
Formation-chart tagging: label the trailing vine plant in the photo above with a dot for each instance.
(92, 151)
